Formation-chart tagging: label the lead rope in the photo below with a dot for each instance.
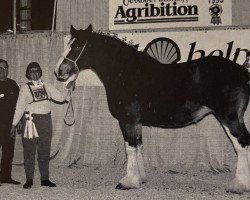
(70, 107)
(64, 55)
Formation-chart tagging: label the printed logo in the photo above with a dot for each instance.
(142, 11)
(215, 12)
(166, 51)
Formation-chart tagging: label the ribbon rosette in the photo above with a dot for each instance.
(30, 131)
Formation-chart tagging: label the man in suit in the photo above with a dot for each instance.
(8, 97)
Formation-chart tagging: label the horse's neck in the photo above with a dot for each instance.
(106, 61)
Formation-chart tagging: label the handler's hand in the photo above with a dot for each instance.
(19, 127)
(13, 132)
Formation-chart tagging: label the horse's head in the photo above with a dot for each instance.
(67, 68)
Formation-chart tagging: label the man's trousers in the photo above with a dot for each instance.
(7, 143)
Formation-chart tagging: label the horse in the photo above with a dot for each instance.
(141, 91)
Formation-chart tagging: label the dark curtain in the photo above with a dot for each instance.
(6, 15)
(41, 14)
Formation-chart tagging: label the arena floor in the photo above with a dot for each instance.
(84, 182)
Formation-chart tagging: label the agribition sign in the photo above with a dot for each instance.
(151, 14)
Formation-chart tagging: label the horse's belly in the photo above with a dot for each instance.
(180, 118)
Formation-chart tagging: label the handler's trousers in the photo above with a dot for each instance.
(7, 143)
(42, 144)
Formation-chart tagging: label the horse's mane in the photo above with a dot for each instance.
(112, 38)
(120, 47)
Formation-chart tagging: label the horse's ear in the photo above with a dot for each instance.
(73, 31)
(136, 46)
(89, 29)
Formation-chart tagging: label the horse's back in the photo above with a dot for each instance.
(179, 80)
(179, 94)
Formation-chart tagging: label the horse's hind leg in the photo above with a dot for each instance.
(140, 161)
(241, 182)
(135, 168)
(233, 123)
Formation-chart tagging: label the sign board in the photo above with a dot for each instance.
(151, 14)
(231, 44)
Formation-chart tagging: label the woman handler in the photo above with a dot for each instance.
(34, 103)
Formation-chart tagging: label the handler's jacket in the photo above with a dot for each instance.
(8, 98)
(36, 100)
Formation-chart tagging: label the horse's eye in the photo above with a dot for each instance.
(77, 47)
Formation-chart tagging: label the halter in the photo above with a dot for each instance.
(74, 61)
(70, 104)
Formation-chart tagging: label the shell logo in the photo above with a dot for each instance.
(165, 50)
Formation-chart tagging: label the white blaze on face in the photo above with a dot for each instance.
(63, 55)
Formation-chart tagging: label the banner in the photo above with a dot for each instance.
(230, 44)
(151, 14)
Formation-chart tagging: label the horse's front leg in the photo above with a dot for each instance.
(135, 168)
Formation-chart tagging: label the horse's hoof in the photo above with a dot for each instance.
(235, 191)
(236, 188)
(121, 187)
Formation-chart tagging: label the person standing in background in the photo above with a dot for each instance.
(34, 102)
(8, 97)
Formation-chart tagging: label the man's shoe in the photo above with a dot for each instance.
(28, 184)
(47, 183)
(10, 181)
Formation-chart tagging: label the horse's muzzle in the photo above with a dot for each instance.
(60, 76)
